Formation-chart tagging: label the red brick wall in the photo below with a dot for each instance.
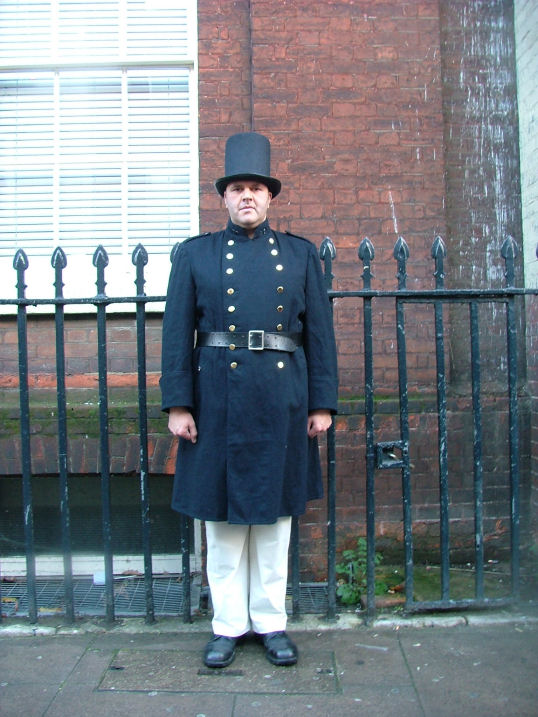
(350, 95)
(81, 364)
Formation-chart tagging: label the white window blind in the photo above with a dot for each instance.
(98, 138)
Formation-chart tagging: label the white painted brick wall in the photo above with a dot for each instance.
(526, 26)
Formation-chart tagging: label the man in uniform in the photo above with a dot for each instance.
(249, 381)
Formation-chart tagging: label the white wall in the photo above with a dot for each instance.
(526, 27)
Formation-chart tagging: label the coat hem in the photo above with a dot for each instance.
(294, 514)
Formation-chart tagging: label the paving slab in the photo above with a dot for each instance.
(179, 671)
(33, 669)
(138, 704)
(374, 702)
(481, 671)
(367, 658)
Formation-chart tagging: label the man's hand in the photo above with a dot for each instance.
(318, 422)
(181, 423)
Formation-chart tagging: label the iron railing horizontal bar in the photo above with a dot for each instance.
(435, 294)
(433, 605)
(414, 295)
(97, 300)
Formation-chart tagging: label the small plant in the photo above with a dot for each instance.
(353, 568)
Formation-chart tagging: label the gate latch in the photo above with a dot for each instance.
(391, 454)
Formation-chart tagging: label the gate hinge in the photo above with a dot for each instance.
(391, 454)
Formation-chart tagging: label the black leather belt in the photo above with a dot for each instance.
(255, 340)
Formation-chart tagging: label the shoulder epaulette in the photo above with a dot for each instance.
(198, 236)
(297, 236)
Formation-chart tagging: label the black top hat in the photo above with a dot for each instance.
(248, 156)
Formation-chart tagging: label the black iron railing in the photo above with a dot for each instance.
(379, 455)
(395, 454)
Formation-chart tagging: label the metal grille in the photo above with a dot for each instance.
(129, 597)
(313, 598)
(90, 599)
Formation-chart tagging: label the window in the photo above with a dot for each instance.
(98, 138)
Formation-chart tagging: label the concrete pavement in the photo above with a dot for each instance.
(479, 664)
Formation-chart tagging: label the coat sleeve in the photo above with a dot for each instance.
(178, 335)
(318, 339)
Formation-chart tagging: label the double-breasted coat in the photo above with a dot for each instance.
(253, 461)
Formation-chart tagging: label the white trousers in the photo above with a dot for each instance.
(247, 570)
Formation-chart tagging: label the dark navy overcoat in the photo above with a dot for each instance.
(253, 461)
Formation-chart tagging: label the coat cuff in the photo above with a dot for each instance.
(322, 395)
(176, 390)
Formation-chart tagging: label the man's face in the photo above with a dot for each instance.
(247, 202)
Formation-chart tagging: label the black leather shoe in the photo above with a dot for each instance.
(279, 649)
(220, 651)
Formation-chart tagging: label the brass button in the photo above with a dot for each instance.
(280, 289)
(279, 267)
(280, 364)
(231, 309)
(233, 364)
(279, 327)
(230, 291)
(229, 255)
(231, 327)
(280, 308)
(229, 270)
(232, 347)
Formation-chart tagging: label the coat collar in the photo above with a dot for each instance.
(261, 230)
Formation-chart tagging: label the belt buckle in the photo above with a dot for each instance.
(256, 340)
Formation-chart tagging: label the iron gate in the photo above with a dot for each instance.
(395, 453)
(380, 455)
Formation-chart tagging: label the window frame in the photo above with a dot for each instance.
(79, 274)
